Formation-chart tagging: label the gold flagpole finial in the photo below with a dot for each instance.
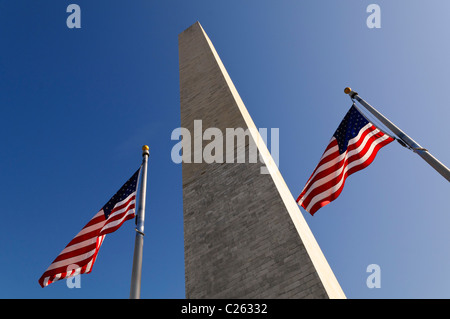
(347, 90)
(145, 150)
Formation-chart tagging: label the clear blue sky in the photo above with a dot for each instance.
(78, 104)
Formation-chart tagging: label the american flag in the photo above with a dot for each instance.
(353, 147)
(79, 255)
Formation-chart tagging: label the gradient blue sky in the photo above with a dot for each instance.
(78, 104)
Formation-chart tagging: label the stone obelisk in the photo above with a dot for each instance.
(244, 234)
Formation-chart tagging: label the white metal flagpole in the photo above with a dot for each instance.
(422, 152)
(135, 290)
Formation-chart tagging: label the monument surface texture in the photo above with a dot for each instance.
(244, 234)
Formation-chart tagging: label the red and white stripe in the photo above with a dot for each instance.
(79, 255)
(328, 178)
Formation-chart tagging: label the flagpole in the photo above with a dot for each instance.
(135, 290)
(422, 152)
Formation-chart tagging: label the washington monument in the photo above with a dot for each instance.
(244, 234)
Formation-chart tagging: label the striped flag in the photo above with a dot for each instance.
(80, 254)
(353, 147)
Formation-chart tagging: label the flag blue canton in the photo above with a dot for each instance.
(349, 128)
(125, 191)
